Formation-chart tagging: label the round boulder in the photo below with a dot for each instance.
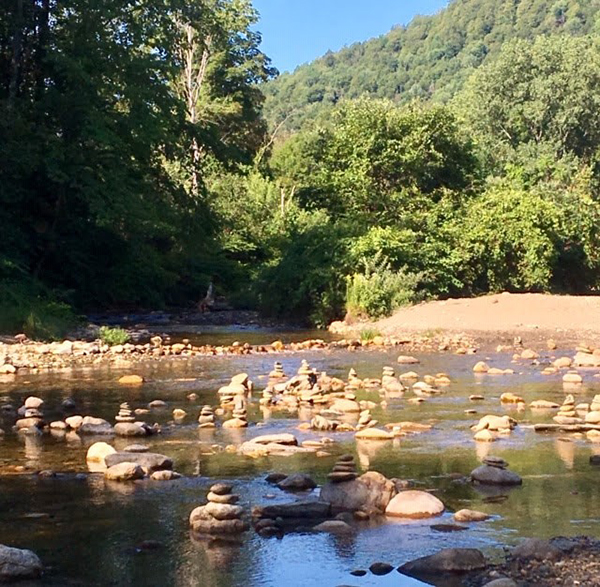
(414, 504)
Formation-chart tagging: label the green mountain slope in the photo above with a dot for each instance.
(430, 58)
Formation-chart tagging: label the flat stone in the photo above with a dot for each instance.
(221, 488)
(298, 509)
(223, 511)
(124, 471)
(148, 461)
(333, 526)
(285, 439)
(466, 515)
(93, 426)
(165, 475)
(341, 477)
(449, 560)
(229, 499)
(132, 429)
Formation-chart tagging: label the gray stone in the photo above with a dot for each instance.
(501, 582)
(221, 488)
(132, 429)
(449, 560)
(297, 482)
(487, 475)
(94, 426)
(381, 568)
(165, 475)
(149, 461)
(298, 509)
(17, 564)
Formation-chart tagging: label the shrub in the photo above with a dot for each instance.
(113, 336)
(379, 290)
(368, 334)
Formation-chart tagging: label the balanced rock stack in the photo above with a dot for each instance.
(221, 515)
(305, 368)
(240, 419)
(566, 412)
(353, 381)
(343, 470)
(389, 382)
(240, 385)
(595, 405)
(125, 414)
(593, 416)
(277, 373)
(206, 418)
(31, 414)
(365, 420)
(494, 471)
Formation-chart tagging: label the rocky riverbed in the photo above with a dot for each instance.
(348, 458)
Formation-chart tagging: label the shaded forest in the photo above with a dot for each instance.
(138, 163)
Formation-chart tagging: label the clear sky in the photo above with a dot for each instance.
(297, 31)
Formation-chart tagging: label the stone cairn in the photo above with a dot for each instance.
(595, 405)
(566, 412)
(343, 470)
(277, 373)
(125, 413)
(240, 414)
(496, 462)
(365, 420)
(31, 414)
(389, 382)
(206, 418)
(305, 369)
(220, 517)
(354, 382)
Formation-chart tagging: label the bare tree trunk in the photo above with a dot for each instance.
(43, 35)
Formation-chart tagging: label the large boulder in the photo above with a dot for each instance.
(285, 439)
(586, 360)
(297, 510)
(370, 492)
(149, 461)
(449, 560)
(17, 564)
(414, 504)
(124, 472)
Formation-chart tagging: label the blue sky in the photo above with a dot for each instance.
(297, 31)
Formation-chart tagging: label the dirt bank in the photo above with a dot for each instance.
(503, 315)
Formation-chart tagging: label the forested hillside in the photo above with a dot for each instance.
(431, 58)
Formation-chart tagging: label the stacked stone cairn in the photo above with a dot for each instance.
(277, 374)
(240, 414)
(566, 412)
(494, 471)
(365, 420)
(390, 383)
(220, 517)
(206, 418)
(32, 418)
(343, 470)
(125, 413)
(353, 381)
(239, 385)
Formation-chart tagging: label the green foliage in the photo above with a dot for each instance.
(368, 334)
(26, 307)
(378, 290)
(113, 336)
(431, 58)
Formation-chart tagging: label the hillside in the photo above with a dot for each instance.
(430, 58)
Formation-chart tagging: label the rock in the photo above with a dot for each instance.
(98, 452)
(131, 380)
(94, 426)
(484, 436)
(381, 568)
(358, 573)
(124, 471)
(165, 475)
(132, 429)
(572, 377)
(285, 439)
(229, 499)
(157, 403)
(58, 425)
(489, 475)
(345, 405)
(414, 504)
(511, 398)
(136, 448)
(449, 560)
(235, 423)
(481, 367)
(470, 516)
(563, 363)
(448, 528)
(542, 404)
(149, 461)
(275, 477)
(179, 414)
(7, 369)
(534, 548)
(74, 422)
(223, 511)
(501, 582)
(407, 360)
(333, 526)
(221, 488)
(586, 360)
(297, 482)
(494, 423)
(33, 402)
(298, 509)
(373, 434)
(593, 417)
(529, 354)
(18, 564)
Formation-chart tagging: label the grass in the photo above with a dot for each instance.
(113, 336)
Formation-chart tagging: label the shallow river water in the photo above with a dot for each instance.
(87, 530)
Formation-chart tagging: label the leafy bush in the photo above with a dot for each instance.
(113, 336)
(379, 290)
(26, 307)
(368, 334)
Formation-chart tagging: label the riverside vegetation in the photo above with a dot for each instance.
(138, 165)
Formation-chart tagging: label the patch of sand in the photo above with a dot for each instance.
(567, 316)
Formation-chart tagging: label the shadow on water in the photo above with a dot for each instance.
(92, 532)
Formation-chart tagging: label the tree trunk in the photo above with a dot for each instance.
(17, 50)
